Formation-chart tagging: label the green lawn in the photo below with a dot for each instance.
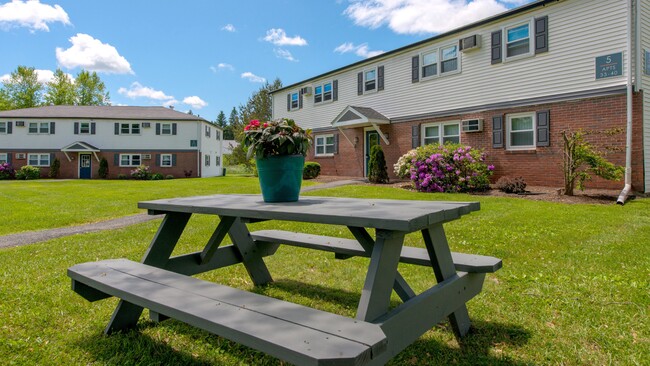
(574, 288)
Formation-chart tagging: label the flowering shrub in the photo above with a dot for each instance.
(447, 168)
(142, 173)
(279, 137)
(403, 166)
(7, 171)
(28, 172)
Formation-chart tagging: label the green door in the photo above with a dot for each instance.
(372, 139)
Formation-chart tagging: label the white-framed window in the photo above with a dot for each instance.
(42, 128)
(129, 129)
(165, 128)
(217, 160)
(449, 59)
(194, 143)
(4, 158)
(517, 40)
(3, 128)
(165, 160)
(441, 132)
(324, 145)
(38, 159)
(84, 128)
(295, 101)
(130, 159)
(323, 93)
(370, 81)
(439, 61)
(207, 131)
(429, 62)
(520, 131)
(207, 160)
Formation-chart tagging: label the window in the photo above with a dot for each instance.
(38, 159)
(520, 134)
(370, 81)
(207, 160)
(39, 128)
(430, 64)
(517, 40)
(193, 143)
(440, 133)
(166, 160)
(207, 131)
(324, 145)
(166, 129)
(3, 127)
(294, 101)
(4, 158)
(217, 160)
(130, 160)
(323, 93)
(129, 128)
(445, 57)
(84, 128)
(448, 59)
(217, 134)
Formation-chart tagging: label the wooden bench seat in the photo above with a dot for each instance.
(463, 262)
(291, 332)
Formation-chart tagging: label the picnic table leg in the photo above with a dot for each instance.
(251, 255)
(126, 315)
(382, 271)
(443, 267)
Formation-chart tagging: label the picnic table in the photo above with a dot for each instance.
(292, 332)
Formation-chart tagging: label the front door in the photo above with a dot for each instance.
(372, 139)
(85, 166)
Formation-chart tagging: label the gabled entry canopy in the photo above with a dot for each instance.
(353, 117)
(80, 147)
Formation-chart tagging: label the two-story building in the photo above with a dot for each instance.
(168, 141)
(509, 84)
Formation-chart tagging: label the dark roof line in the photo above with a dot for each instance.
(101, 112)
(505, 14)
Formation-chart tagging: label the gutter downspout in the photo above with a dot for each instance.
(628, 141)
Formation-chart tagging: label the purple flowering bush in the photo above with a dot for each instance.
(7, 171)
(448, 168)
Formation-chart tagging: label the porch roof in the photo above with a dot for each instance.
(80, 146)
(352, 117)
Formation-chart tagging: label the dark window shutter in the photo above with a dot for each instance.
(300, 99)
(415, 69)
(157, 159)
(93, 128)
(360, 83)
(335, 90)
(117, 128)
(157, 128)
(541, 34)
(497, 131)
(9, 128)
(116, 159)
(543, 128)
(336, 143)
(52, 128)
(174, 128)
(173, 159)
(496, 47)
(289, 102)
(52, 157)
(76, 128)
(415, 136)
(9, 155)
(380, 78)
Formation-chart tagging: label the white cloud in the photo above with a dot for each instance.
(424, 16)
(229, 28)
(31, 14)
(222, 66)
(360, 50)
(137, 90)
(195, 102)
(252, 77)
(5, 77)
(279, 38)
(285, 54)
(91, 54)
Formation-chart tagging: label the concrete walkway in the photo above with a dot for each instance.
(30, 237)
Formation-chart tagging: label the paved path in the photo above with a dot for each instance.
(120, 222)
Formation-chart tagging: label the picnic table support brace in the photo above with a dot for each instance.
(251, 254)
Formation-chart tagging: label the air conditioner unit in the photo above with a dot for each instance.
(470, 43)
(146, 124)
(472, 125)
(20, 123)
(146, 156)
(20, 156)
(305, 90)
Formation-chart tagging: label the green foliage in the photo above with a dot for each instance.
(141, 173)
(511, 185)
(311, 170)
(55, 167)
(7, 171)
(227, 129)
(377, 171)
(22, 89)
(581, 159)
(5, 101)
(157, 176)
(90, 89)
(279, 137)
(260, 104)
(169, 176)
(28, 172)
(60, 90)
(122, 176)
(103, 168)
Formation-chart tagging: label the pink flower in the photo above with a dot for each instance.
(490, 167)
(265, 125)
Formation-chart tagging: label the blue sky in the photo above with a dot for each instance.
(210, 55)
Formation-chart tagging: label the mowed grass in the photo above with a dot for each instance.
(574, 289)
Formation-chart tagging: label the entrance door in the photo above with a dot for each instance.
(372, 139)
(85, 166)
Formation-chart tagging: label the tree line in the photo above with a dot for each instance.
(23, 90)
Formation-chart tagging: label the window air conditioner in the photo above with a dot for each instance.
(146, 125)
(472, 125)
(306, 90)
(20, 156)
(146, 156)
(20, 123)
(470, 43)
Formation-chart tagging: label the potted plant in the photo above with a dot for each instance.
(280, 147)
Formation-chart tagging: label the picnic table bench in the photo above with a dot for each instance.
(292, 332)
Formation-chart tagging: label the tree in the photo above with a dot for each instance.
(377, 171)
(223, 123)
(90, 89)
(5, 103)
(260, 105)
(60, 90)
(236, 126)
(23, 90)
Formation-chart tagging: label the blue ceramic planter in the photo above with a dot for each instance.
(280, 177)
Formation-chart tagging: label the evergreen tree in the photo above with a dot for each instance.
(223, 123)
(22, 90)
(60, 90)
(377, 172)
(90, 89)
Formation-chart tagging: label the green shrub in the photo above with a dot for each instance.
(122, 176)
(511, 185)
(169, 176)
(157, 176)
(28, 172)
(311, 170)
(103, 168)
(55, 167)
(141, 173)
(377, 172)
